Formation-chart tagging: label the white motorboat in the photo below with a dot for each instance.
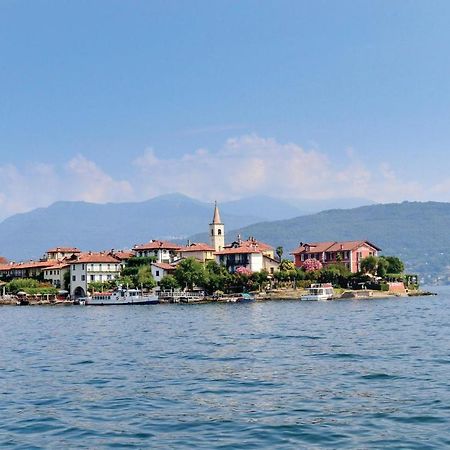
(319, 292)
(120, 296)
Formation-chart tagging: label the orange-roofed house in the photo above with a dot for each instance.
(160, 270)
(250, 254)
(92, 267)
(349, 253)
(27, 269)
(163, 251)
(199, 250)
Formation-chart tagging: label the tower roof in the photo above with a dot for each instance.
(216, 217)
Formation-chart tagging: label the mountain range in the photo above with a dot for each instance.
(416, 232)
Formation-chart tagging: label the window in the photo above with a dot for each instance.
(74, 267)
(83, 277)
(219, 231)
(82, 266)
(157, 273)
(109, 277)
(74, 278)
(212, 232)
(92, 277)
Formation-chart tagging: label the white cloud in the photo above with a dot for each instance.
(244, 166)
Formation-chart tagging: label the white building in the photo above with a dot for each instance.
(92, 267)
(250, 254)
(217, 231)
(160, 270)
(55, 275)
(163, 251)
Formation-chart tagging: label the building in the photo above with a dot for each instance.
(60, 253)
(160, 270)
(217, 231)
(200, 251)
(92, 267)
(56, 274)
(251, 254)
(349, 253)
(3, 260)
(27, 269)
(163, 251)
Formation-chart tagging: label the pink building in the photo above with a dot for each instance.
(349, 253)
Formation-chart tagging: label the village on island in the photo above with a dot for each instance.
(242, 270)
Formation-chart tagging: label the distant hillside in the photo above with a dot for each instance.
(417, 232)
(114, 225)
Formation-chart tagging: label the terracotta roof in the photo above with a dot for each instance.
(64, 250)
(164, 266)
(96, 258)
(58, 266)
(242, 249)
(319, 247)
(27, 265)
(261, 245)
(123, 254)
(156, 245)
(197, 247)
(3, 260)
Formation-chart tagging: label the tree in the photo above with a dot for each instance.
(310, 265)
(190, 273)
(66, 280)
(382, 267)
(395, 265)
(168, 283)
(21, 284)
(369, 265)
(279, 251)
(261, 278)
(286, 265)
(145, 278)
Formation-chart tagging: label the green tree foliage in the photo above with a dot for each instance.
(286, 265)
(279, 251)
(137, 261)
(369, 265)
(382, 267)
(145, 278)
(395, 264)
(21, 284)
(66, 280)
(217, 278)
(30, 286)
(168, 283)
(190, 273)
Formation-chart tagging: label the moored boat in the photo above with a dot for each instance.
(319, 292)
(120, 296)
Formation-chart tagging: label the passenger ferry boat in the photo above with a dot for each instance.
(120, 296)
(319, 292)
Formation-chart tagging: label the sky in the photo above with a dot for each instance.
(123, 100)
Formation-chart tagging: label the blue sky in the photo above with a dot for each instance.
(122, 100)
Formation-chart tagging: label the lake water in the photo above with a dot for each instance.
(347, 374)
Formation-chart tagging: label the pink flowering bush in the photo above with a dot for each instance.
(243, 271)
(311, 265)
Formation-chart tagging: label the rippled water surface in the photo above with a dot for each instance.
(347, 374)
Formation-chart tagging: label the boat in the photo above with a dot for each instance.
(120, 296)
(245, 298)
(319, 292)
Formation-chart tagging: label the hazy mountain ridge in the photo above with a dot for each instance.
(417, 232)
(118, 225)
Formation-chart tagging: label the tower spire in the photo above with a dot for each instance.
(216, 217)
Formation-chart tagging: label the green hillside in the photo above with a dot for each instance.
(419, 233)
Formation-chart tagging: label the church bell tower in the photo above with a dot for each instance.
(217, 231)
